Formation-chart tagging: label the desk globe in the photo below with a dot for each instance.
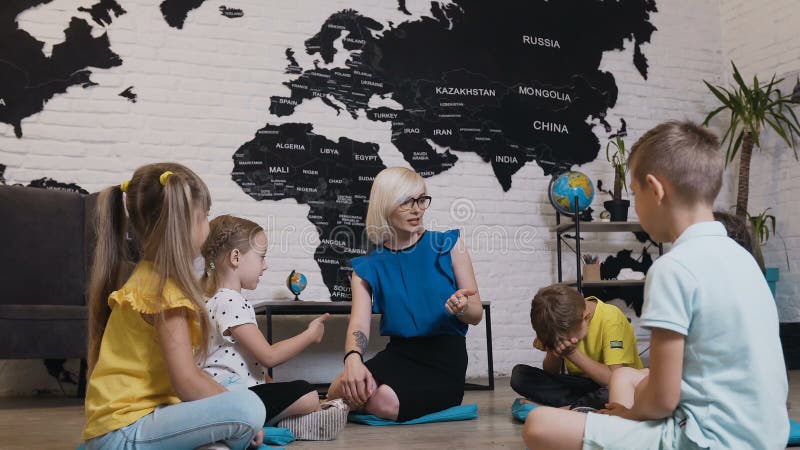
(296, 282)
(565, 187)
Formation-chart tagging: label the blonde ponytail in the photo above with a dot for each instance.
(111, 264)
(162, 211)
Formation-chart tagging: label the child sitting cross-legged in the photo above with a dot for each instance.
(148, 327)
(238, 354)
(590, 337)
(717, 377)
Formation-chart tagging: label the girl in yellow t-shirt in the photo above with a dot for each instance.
(148, 325)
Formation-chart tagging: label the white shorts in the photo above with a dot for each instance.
(616, 433)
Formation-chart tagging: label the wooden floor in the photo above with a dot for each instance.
(56, 423)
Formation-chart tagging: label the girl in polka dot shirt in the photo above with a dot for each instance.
(238, 353)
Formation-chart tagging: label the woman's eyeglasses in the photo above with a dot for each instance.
(422, 202)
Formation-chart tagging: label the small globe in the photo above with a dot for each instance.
(566, 187)
(296, 282)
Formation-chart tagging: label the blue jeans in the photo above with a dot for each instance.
(233, 417)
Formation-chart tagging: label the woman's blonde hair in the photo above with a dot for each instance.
(391, 187)
(227, 233)
(162, 219)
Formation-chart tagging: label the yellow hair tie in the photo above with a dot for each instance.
(124, 186)
(163, 178)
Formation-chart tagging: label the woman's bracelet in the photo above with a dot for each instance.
(350, 353)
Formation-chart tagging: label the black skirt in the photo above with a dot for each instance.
(426, 373)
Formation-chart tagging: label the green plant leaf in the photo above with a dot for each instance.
(720, 96)
(754, 108)
(756, 141)
(712, 114)
(772, 83)
(777, 127)
(762, 223)
(733, 147)
(618, 160)
(794, 125)
(742, 85)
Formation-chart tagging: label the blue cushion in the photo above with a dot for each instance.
(520, 410)
(277, 436)
(794, 432)
(272, 436)
(461, 412)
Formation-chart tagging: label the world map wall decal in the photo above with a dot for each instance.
(29, 79)
(514, 82)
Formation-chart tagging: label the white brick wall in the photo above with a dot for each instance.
(204, 90)
(762, 39)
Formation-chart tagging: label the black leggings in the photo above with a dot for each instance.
(557, 390)
(279, 396)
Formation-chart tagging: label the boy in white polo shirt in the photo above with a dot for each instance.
(717, 377)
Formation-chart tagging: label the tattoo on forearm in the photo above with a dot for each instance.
(361, 341)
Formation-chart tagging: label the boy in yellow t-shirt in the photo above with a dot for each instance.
(590, 337)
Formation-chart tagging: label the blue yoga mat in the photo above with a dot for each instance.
(277, 436)
(520, 410)
(461, 412)
(272, 436)
(794, 432)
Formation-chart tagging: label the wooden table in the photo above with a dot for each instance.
(271, 308)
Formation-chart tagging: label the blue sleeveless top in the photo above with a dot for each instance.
(410, 286)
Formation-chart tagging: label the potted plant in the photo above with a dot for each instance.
(763, 227)
(752, 109)
(617, 155)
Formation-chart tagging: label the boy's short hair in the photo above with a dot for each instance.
(686, 155)
(738, 229)
(556, 310)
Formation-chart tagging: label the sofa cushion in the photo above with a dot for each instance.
(43, 259)
(43, 331)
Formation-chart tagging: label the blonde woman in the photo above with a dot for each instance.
(423, 285)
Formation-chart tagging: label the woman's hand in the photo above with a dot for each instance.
(458, 303)
(357, 382)
(317, 327)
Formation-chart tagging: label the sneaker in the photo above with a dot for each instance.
(322, 425)
(584, 409)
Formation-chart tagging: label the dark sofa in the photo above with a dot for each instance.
(46, 237)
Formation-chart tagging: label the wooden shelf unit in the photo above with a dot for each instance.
(579, 227)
